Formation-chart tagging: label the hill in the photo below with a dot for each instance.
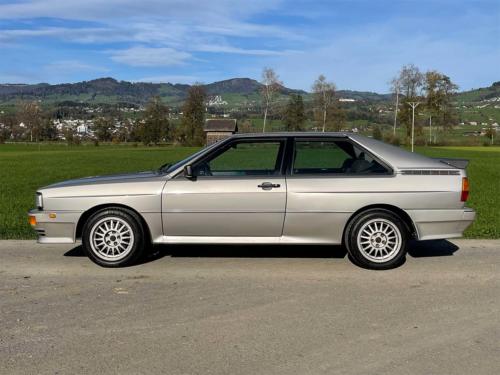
(236, 91)
(491, 93)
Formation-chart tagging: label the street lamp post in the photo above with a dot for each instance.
(396, 109)
(413, 105)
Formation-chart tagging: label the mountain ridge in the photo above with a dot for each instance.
(140, 92)
(108, 89)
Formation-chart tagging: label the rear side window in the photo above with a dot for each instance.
(333, 157)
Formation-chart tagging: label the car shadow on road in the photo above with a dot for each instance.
(416, 249)
(432, 248)
(245, 251)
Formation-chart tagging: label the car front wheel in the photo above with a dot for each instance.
(113, 238)
(376, 239)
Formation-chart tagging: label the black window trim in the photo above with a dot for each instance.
(291, 161)
(225, 145)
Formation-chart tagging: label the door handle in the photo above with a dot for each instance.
(268, 185)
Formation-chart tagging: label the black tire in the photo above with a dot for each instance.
(133, 232)
(369, 250)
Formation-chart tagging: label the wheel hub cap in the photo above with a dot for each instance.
(379, 240)
(111, 238)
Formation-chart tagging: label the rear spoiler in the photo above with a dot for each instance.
(457, 163)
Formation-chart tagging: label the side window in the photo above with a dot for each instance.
(333, 157)
(244, 159)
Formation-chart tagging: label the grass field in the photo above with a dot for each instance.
(24, 168)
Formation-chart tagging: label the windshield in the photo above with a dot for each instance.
(167, 168)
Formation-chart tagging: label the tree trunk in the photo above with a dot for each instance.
(324, 120)
(396, 112)
(430, 129)
(265, 119)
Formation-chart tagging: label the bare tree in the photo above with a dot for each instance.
(410, 84)
(324, 97)
(30, 114)
(271, 86)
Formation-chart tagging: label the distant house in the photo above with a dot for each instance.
(219, 129)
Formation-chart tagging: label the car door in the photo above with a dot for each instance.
(237, 191)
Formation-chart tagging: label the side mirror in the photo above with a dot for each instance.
(188, 171)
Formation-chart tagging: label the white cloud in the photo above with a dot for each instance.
(149, 56)
(236, 50)
(98, 10)
(72, 66)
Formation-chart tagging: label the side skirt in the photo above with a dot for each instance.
(284, 240)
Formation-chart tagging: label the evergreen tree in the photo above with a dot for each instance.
(377, 132)
(193, 117)
(335, 117)
(294, 116)
(103, 128)
(48, 131)
(155, 126)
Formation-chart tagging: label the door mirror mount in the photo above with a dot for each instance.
(188, 172)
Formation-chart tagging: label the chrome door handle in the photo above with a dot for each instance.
(268, 185)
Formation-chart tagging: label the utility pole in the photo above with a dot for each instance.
(413, 105)
(396, 109)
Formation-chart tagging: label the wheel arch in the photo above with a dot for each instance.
(402, 214)
(87, 214)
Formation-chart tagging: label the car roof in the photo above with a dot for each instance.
(397, 157)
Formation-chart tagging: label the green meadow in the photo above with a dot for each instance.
(26, 167)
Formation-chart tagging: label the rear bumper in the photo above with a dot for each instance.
(55, 226)
(439, 224)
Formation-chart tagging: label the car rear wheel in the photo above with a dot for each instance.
(376, 239)
(113, 238)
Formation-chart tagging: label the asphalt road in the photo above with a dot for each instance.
(250, 310)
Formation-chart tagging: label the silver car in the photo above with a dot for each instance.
(278, 188)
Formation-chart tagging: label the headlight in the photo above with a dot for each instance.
(39, 201)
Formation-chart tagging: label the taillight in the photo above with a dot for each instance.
(465, 189)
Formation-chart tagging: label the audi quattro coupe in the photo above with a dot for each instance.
(274, 188)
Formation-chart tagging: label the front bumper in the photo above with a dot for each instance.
(54, 226)
(439, 224)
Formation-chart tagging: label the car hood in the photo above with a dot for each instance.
(109, 179)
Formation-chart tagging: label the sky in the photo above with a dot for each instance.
(357, 44)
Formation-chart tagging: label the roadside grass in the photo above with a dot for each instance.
(26, 167)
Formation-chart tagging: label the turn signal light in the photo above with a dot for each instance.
(32, 220)
(465, 189)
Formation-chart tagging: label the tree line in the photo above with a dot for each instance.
(326, 110)
(31, 123)
(429, 94)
